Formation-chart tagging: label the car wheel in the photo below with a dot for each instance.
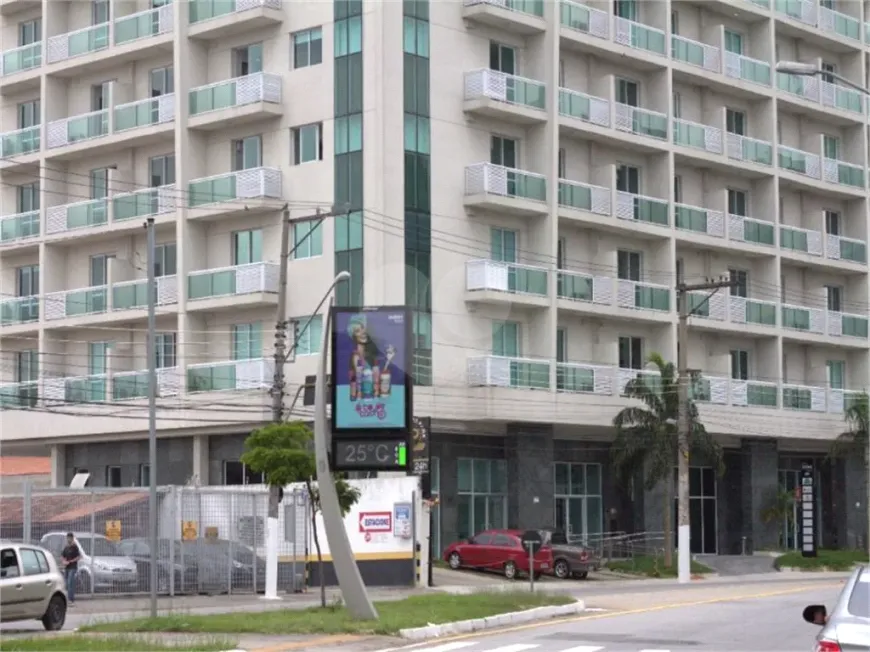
(454, 561)
(582, 575)
(561, 569)
(510, 570)
(55, 615)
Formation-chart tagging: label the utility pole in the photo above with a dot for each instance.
(684, 562)
(151, 352)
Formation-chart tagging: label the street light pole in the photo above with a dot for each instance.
(151, 352)
(684, 561)
(810, 70)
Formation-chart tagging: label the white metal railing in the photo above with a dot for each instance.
(573, 194)
(734, 309)
(489, 178)
(240, 91)
(78, 42)
(798, 161)
(234, 280)
(157, 21)
(687, 133)
(588, 108)
(585, 378)
(79, 128)
(500, 276)
(252, 183)
(230, 375)
(683, 50)
(500, 86)
(713, 221)
(147, 112)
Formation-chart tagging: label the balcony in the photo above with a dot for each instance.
(20, 143)
(694, 53)
(585, 197)
(134, 28)
(145, 113)
(80, 215)
(235, 101)
(78, 43)
(640, 122)
(77, 303)
(104, 299)
(496, 187)
(16, 396)
(699, 220)
(815, 167)
(638, 208)
(490, 281)
(133, 295)
(732, 309)
(752, 231)
(255, 373)
(518, 16)
(753, 393)
(638, 36)
(506, 97)
(585, 108)
(697, 136)
(835, 23)
(116, 211)
(231, 287)
(15, 228)
(616, 293)
(579, 19)
(749, 150)
(15, 62)
(819, 321)
(19, 310)
(743, 68)
(78, 129)
(144, 203)
(818, 91)
(225, 195)
(501, 371)
(127, 385)
(843, 174)
(76, 389)
(804, 241)
(838, 247)
(217, 19)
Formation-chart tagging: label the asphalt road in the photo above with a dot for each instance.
(772, 623)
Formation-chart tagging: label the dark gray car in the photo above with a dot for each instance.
(846, 628)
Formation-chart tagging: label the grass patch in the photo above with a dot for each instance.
(836, 560)
(415, 611)
(75, 643)
(650, 566)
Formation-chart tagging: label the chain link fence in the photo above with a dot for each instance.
(211, 540)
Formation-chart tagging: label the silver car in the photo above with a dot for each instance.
(847, 627)
(102, 565)
(31, 586)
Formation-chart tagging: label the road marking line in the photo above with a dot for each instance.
(448, 647)
(584, 648)
(628, 612)
(303, 645)
(516, 647)
(645, 650)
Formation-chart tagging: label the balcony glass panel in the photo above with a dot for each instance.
(93, 213)
(19, 395)
(699, 389)
(526, 92)
(757, 151)
(87, 126)
(213, 98)
(853, 250)
(524, 185)
(651, 298)
(691, 219)
(213, 284)
(85, 390)
(755, 71)
(130, 386)
(530, 374)
(650, 210)
(647, 38)
(207, 9)
(213, 378)
(23, 58)
(19, 311)
(139, 114)
(793, 239)
(689, 135)
(761, 395)
(137, 204)
(86, 302)
(854, 326)
(575, 379)
(847, 26)
(797, 398)
(758, 232)
(23, 141)
(213, 190)
(795, 318)
(650, 124)
(533, 7)
(529, 281)
(687, 51)
(849, 175)
(699, 305)
(26, 225)
(793, 161)
(128, 296)
(574, 15)
(130, 28)
(760, 313)
(574, 286)
(575, 196)
(88, 40)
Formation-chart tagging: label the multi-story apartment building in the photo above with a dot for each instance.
(529, 176)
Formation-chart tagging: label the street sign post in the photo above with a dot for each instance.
(532, 541)
(807, 509)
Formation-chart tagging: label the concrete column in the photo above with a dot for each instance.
(529, 453)
(855, 508)
(58, 465)
(199, 468)
(760, 485)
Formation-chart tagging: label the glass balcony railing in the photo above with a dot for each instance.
(86, 389)
(839, 23)
(243, 184)
(840, 97)
(795, 160)
(700, 220)
(488, 178)
(145, 113)
(78, 129)
(575, 378)
(642, 122)
(143, 24)
(531, 7)
(20, 59)
(129, 385)
(639, 36)
(19, 310)
(802, 240)
(240, 279)
(86, 302)
(502, 87)
(841, 248)
(759, 394)
(19, 227)
(760, 312)
(22, 141)
(78, 43)
(584, 197)
(142, 203)
(855, 326)
(500, 276)
(743, 148)
(201, 10)
(697, 136)
(574, 286)
(649, 297)
(795, 318)
(695, 53)
(844, 174)
(254, 373)
(19, 395)
(89, 213)
(581, 106)
(239, 91)
(738, 66)
(643, 209)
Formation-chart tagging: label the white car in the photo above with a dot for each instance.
(846, 628)
(31, 586)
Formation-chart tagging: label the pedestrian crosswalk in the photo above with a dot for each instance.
(500, 646)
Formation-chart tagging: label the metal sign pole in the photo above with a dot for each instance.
(531, 567)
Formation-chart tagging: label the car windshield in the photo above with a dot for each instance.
(99, 548)
(859, 601)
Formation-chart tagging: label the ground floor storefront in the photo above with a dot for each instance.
(525, 476)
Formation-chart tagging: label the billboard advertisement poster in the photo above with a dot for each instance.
(371, 390)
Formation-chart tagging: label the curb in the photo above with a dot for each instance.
(492, 622)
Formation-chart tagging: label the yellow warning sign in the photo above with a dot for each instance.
(113, 530)
(188, 530)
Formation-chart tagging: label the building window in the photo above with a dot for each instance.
(308, 335)
(416, 37)
(113, 476)
(348, 232)
(307, 48)
(29, 114)
(29, 32)
(144, 475)
(348, 36)
(631, 353)
(164, 349)
(348, 134)
(481, 496)
(307, 143)
(416, 134)
(247, 153)
(247, 341)
(735, 122)
(100, 12)
(162, 170)
(739, 365)
(506, 339)
(248, 60)
(165, 256)
(27, 197)
(578, 501)
(236, 473)
(350, 292)
(307, 239)
(247, 247)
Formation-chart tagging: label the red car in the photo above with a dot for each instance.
(500, 551)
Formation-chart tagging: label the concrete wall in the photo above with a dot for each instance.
(174, 460)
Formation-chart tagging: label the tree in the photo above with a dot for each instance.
(646, 437)
(284, 453)
(855, 438)
(779, 510)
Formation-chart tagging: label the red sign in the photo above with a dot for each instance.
(376, 522)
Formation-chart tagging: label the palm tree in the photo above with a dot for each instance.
(646, 437)
(855, 438)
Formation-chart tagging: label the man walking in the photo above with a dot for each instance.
(70, 560)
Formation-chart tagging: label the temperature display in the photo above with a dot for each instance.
(370, 455)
